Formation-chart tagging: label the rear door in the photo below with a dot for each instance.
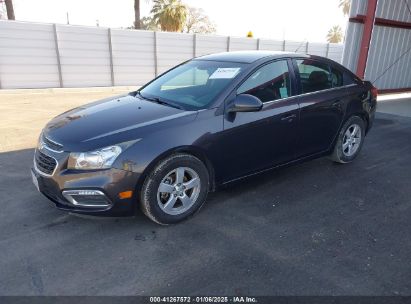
(321, 110)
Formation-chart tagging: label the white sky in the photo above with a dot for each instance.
(293, 19)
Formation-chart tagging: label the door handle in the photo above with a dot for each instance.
(288, 118)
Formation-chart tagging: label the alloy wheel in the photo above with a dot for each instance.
(178, 190)
(351, 140)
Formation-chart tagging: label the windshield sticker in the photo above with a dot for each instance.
(225, 73)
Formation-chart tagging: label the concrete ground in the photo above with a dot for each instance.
(317, 228)
(397, 104)
(23, 113)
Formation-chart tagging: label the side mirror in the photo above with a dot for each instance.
(245, 103)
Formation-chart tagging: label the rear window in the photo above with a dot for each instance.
(314, 75)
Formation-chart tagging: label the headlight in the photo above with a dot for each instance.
(99, 159)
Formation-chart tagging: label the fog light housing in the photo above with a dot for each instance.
(87, 198)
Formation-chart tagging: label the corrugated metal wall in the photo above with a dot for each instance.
(386, 46)
(34, 55)
(353, 36)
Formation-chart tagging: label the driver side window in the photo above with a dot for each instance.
(268, 83)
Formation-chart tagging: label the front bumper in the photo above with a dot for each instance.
(63, 185)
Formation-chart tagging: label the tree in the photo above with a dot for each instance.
(9, 9)
(137, 23)
(169, 15)
(198, 22)
(148, 24)
(335, 34)
(345, 6)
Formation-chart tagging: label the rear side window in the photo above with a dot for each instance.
(336, 78)
(349, 79)
(268, 83)
(314, 75)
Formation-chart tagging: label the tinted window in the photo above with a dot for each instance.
(336, 77)
(349, 79)
(314, 75)
(193, 85)
(270, 82)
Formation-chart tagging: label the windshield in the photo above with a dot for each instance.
(193, 85)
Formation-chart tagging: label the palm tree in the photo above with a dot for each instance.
(335, 34)
(169, 15)
(345, 5)
(137, 14)
(10, 10)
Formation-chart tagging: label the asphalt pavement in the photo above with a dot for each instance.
(317, 228)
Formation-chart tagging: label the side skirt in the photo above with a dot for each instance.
(293, 162)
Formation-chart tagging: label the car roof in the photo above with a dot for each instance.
(248, 56)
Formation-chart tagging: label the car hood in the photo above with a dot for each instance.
(111, 121)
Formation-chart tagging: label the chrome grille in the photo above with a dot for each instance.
(51, 145)
(44, 163)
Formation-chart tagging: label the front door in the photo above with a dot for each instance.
(254, 141)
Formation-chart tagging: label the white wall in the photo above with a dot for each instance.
(173, 48)
(84, 56)
(36, 55)
(27, 56)
(133, 56)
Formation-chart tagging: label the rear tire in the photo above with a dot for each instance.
(349, 140)
(175, 189)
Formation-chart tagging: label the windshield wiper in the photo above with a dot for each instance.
(167, 103)
(160, 101)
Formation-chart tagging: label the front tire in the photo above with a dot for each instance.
(175, 189)
(349, 141)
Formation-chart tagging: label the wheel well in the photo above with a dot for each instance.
(204, 159)
(186, 150)
(364, 117)
(360, 115)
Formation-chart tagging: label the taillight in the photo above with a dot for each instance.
(374, 92)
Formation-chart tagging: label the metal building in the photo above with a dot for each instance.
(378, 43)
